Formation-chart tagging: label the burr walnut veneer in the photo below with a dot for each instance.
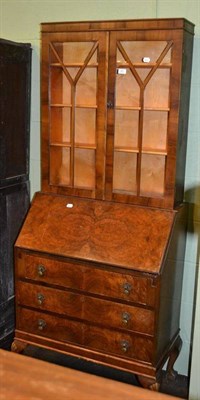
(99, 260)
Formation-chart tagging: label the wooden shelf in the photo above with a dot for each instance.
(155, 152)
(74, 186)
(61, 105)
(127, 108)
(144, 151)
(84, 187)
(126, 149)
(125, 192)
(166, 109)
(73, 65)
(76, 106)
(143, 65)
(86, 106)
(85, 146)
(154, 194)
(60, 144)
(76, 145)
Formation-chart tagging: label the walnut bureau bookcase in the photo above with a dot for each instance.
(99, 260)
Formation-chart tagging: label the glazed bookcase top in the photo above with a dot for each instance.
(115, 100)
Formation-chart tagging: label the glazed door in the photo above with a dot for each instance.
(141, 116)
(74, 99)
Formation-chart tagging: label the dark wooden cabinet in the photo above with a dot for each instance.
(99, 260)
(15, 67)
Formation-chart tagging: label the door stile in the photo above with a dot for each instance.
(110, 117)
(101, 114)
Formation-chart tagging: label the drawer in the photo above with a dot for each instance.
(121, 344)
(135, 288)
(43, 269)
(120, 316)
(52, 327)
(92, 337)
(54, 300)
(88, 308)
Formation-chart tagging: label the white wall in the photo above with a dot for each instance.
(20, 21)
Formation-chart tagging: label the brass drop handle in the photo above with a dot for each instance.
(124, 345)
(127, 287)
(41, 324)
(125, 317)
(41, 270)
(40, 298)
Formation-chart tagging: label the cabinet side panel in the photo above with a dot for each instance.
(171, 286)
(184, 114)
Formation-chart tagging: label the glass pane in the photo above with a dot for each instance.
(72, 71)
(59, 166)
(60, 125)
(126, 128)
(143, 72)
(76, 52)
(60, 87)
(124, 174)
(72, 52)
(138, 50)
(155, 130)
(66, 89)
(127, 90)
(85, 126)
(152, 175)
(86, 88)
(156, 94)
(84, 168)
